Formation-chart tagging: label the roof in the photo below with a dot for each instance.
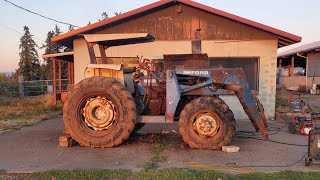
(302, 49)
(285, 38)
(118, 39)
(65, 56)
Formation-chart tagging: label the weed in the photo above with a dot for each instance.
(83, 174)
(173, 173)
(2, 171)
(156, 148)
(19, 112)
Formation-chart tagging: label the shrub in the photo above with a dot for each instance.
(9, 89)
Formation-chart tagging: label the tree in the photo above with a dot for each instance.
(71, 28)
(46, 68)
(52, 48)
(117, 13)
(57, 47)
(29, 64)
(104, 16)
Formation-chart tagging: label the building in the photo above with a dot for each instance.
(229, 40)
(307, 57)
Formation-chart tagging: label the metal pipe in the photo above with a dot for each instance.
(197, 86)
(234, 88)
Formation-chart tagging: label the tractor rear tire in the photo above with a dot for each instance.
(87, 96)
(207, 123)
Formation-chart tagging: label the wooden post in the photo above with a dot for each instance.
(280, 63)
(72, 73)
(292, 64)
(307, 74)
(69, 73)
(289, 71)
(21, 89)
(60, 77)
(54, 80)
(103, 54)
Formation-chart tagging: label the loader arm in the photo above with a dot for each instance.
(227, 81)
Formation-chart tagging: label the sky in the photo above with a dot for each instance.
(294, 16)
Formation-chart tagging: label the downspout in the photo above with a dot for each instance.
(300, 55)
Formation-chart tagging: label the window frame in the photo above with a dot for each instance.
(257, 58)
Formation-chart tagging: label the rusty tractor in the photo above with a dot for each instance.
(117, 99)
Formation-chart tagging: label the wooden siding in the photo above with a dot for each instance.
(180, 22)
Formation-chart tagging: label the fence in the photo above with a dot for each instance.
(40, 87)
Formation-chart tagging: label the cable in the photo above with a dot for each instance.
(280, 129)
(20, 32)
(277, 142)
(20, 7)
(254, 133)
(265, 166)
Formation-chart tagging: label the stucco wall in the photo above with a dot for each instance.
(313, 64)
(81, 59)
(266, 51)
(288, 82)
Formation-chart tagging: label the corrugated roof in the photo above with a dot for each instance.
(65, 56)
(301, 49)
(285, 38)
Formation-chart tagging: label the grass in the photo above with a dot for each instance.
(156, 148)
(164, 174)
(16, 113)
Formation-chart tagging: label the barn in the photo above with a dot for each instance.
(303, 57)
(229, 40)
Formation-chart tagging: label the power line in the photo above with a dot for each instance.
(20, 7)
(20, 32)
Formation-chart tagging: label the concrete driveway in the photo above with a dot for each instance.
(34, 149)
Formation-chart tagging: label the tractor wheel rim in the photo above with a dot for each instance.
(206, 125)
(99, 113)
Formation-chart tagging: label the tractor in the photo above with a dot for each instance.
(117, 99)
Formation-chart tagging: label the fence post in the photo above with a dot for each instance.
(21, 89)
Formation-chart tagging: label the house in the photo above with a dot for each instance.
(229, 40)
(307, 57)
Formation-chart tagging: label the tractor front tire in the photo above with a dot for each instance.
(207, 123)
(99, 113)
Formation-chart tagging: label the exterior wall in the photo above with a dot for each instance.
(266, 51)
(298, 81)
(313, 64)
(293, 81)
(81, 59)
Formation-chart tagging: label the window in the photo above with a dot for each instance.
(249, 65)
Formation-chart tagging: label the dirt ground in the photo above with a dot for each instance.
(34, 149)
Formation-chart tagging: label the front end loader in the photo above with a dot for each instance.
(116, 100)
